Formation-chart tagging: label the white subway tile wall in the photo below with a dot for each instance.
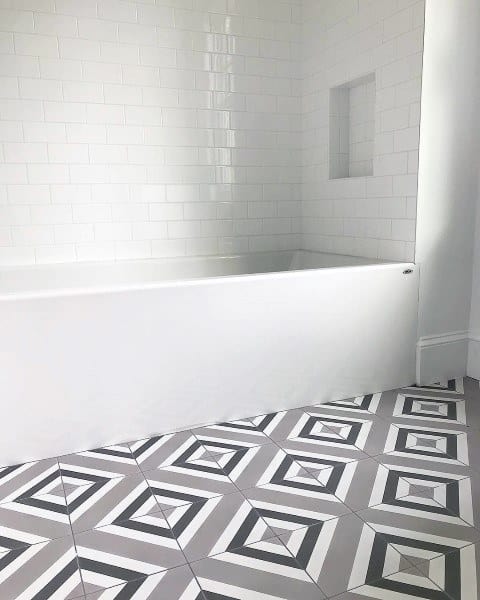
(148, 129)
(151, 128)
(343, 41)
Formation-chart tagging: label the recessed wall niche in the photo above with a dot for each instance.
(352, 128)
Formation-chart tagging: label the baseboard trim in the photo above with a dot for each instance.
(443, 356)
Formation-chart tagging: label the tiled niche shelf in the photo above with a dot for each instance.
(352, 128)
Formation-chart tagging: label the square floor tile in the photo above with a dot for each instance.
(168, 449)
(259, 465)
(217, 525)
(175, 584)
(409, 584)
(295, 503)
(456, 572)
(34, 519)
(264, 570)
(45, 570)
(127, 551)
(315, 456)
(188, 483)
(109, 501)
(107, 463)
(29, 479)
(342, 554)
(280, 425)
(232, 436)
(413, 534)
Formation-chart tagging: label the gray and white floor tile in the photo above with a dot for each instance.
(349, 541)
(223, 523)
(176, 584)
(169, 449)
(126, 551)
(107, 463)
(376, 496)
(188, 483)
(41, 571)
(265, 571)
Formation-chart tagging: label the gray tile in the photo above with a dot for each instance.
(175, 584)
(281, 425)
(29, 479)
(127, 551)
(343, 554)
(34, 519)
(316, 455)
(44, 570)
(414, 532)
(107, 463)
(347, 429)
(214, 526)
(166, 450)
(110, 501)
(261, 570)
(408, 584)
(259, 465)
(456, 573)
(188, 483)
(295, 503)
(230, 436)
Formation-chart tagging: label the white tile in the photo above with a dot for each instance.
(36, 44)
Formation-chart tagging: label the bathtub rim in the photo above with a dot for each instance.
(187, 282)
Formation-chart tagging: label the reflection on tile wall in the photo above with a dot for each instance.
(343, 41)
(148, 128)
(131, 129)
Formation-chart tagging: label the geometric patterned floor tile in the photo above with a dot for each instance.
(217, 525)
(225, 437)
(260, 571)
(259, 465)
(316, 456)
(367, 403)
(455, 573)
(342, 554)
(110, 501)
(410, 491)
(165, 450)
(410, 408)
(28, 479)
(114, 461)
(188, 483)
(295, 504)
(450, 386)
(41, 571)
(175, 584)
(34, 519)
(415, 532)
(410, 584)
(281, 425)
(435, 444)
(347, 428)
(127, 551)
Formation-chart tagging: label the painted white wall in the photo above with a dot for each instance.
(345, 40)
(473, 364)
(131, 129)
(448, 182)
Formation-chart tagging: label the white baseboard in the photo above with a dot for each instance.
(443, 356)
(473, 364)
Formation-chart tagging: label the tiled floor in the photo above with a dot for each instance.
(373, 497)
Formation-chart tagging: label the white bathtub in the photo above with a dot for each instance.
(96, 354)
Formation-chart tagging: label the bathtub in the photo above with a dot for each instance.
(97, 354)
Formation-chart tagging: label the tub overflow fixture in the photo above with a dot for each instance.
(408, 271)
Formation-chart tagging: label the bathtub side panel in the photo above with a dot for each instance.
(85, 371)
